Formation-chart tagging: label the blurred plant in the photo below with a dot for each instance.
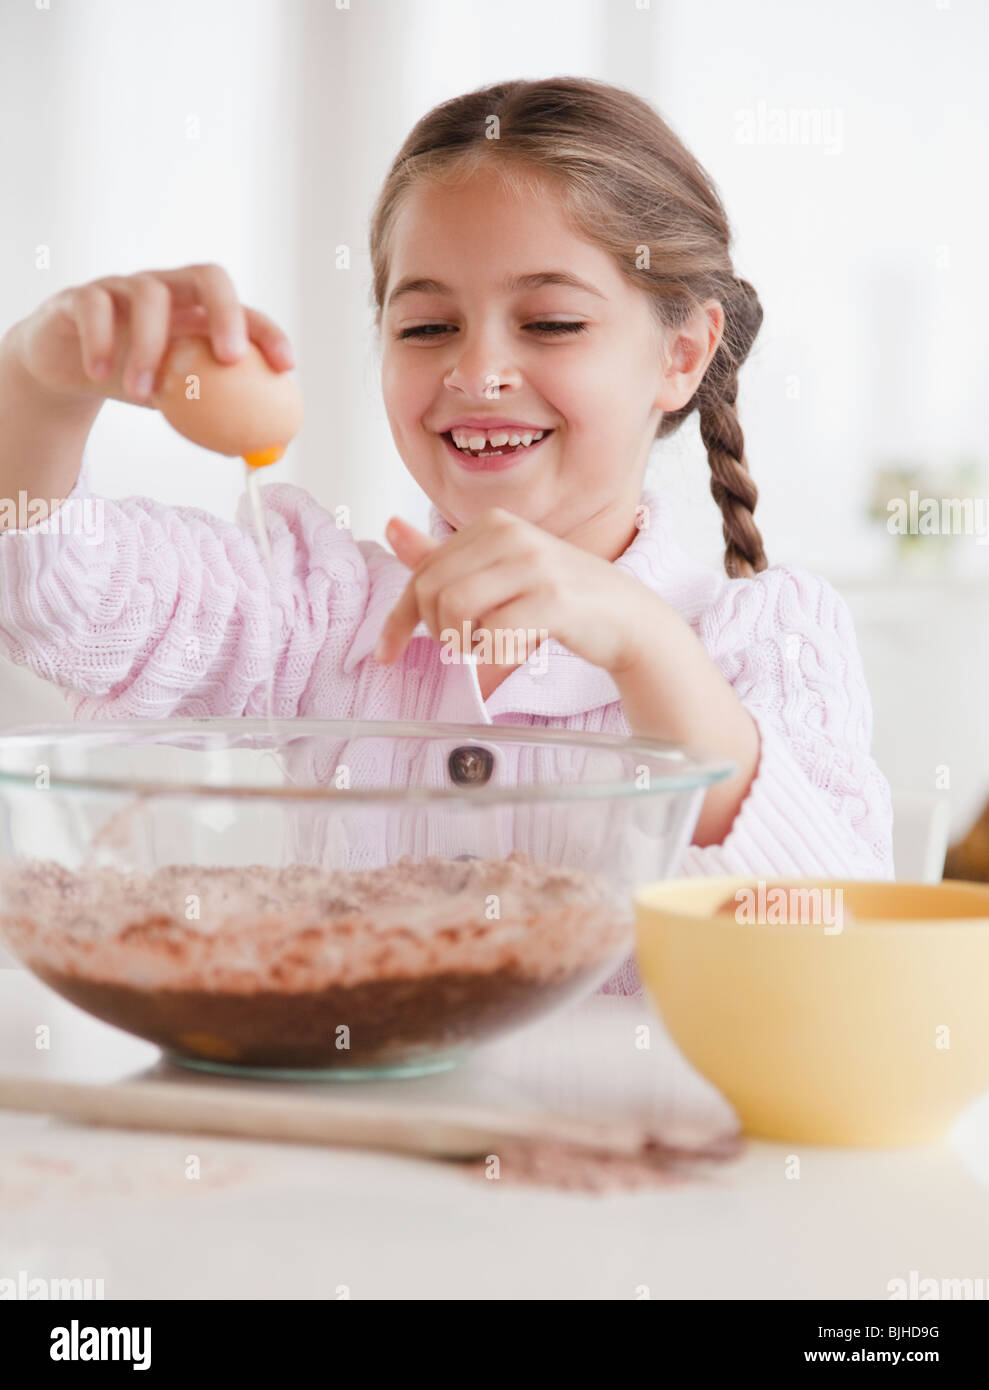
(894, 485)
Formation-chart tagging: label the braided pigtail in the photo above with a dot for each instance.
(721, 433)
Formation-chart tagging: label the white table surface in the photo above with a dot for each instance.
(267, 1220)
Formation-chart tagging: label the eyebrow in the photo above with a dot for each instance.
(512, 284)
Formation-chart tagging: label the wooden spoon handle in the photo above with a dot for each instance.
(438, 1131)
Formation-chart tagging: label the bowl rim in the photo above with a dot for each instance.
(698, 770)
(646, 895)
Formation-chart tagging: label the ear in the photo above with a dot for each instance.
(688, 353)
(409, 545)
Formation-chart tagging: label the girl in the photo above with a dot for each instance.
(554, 292)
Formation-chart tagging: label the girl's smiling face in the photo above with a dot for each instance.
(480, 283)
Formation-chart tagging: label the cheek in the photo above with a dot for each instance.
(401, 394)
(423, 389)
(389, 386)
(586, 386)
(608, 394)
(400, 368)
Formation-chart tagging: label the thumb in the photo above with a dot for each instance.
(409, 545)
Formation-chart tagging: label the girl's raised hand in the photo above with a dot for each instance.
(504, 573)
(108, 337)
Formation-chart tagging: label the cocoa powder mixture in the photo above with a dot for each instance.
(544, 1163)
(267, 966)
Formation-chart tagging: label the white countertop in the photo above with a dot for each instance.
(266, 1220)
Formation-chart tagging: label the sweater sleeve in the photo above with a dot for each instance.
(138, 609)
(819, 806)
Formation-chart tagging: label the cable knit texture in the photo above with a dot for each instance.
(137, 609)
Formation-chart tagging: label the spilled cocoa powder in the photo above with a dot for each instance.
(547, 1163)
(302, 966)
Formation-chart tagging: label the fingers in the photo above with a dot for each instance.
(515, 621)
(211, 286)
(433, 594)
(476, 548)
(91, 308)
(227, 316)
(144, 303)
(263, 332)
(399, 625)
(150, 314)
(409, 544)
(489, 563)
(208, 292)
(271, 340)
(469, 599)
(160, 305)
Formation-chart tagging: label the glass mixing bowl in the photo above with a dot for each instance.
(331, 898)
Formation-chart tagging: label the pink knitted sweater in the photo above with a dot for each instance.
(138, 609)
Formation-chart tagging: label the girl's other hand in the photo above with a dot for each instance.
(502, 573)
(108, 337)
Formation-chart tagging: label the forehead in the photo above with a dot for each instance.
(477, 234)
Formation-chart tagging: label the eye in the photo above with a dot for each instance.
(559, 326)
(548, 326)
(424, 330)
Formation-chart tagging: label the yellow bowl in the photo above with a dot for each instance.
(876, 1033)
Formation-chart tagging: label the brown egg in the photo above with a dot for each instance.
(242, 407)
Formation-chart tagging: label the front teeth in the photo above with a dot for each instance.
(497, 439)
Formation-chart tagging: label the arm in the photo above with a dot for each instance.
(133, 607)
(106, 339)
(673, 690)
(813, 802)
(42, 433)
(151, 611)
(818, 805)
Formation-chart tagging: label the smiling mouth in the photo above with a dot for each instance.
(489, 452)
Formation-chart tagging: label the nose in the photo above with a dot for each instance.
(484, 365)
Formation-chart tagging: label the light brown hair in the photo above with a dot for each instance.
(633, 189)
